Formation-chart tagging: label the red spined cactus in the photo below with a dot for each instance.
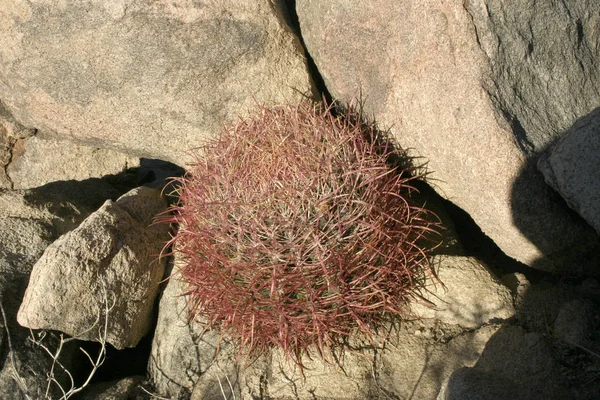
(297, 228)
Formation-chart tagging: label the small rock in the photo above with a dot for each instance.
(468, 295)
(574, 321)
(110, 260)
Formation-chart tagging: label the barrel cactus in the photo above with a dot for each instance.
(297, 228)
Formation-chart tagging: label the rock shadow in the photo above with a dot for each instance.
(549, 350)
(567, 243)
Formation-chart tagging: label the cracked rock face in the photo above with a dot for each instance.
(150, 78)
(478, 88)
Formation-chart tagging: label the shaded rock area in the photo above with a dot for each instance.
(572, 164)
(151, 79)
(498, 374)
(550, 351)
(470, 86)
(124, 388)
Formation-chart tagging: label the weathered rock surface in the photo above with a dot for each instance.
(36, 162)
(151, 78)
(468, 294)
(572, 167)
(477, 88)
(110, 260)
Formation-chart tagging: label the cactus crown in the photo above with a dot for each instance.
(297, 228)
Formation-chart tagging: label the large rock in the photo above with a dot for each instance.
(36, 162)
(110, 260)
(468, 294)
(478, 88)
(572, 167)
(152, 78)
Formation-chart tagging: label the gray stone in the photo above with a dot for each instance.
(477, 88)
(572, 167)
(520, 361)
(543, 62)
(36, 162)
(109, 260)
(150, 78)
(468, 294)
